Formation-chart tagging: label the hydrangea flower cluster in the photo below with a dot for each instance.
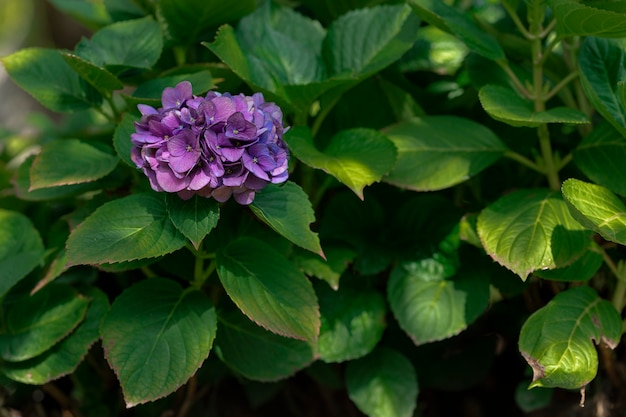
(215, 146)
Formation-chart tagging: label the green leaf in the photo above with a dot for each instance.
(132, 43)
(433, 156)
(286, 209)
(152, 90)
(556, 340)
(21, 249)
(194, 218)
(383, 384)
(600, 157)
(503, 104)
(129, 228)
(601, 64)
(69, 161)
(90, 13)
(428, 305)
(23, 191)
(44, 74)
(363, 42)
(330, 269)
(589, 18)
(156, 336)
(186, 21)
(356, 157)
(597, 209)
(453, 20)
(256, 353)
(529, 230)
(352, 322)
(37, 322)
(63, 358)
(121, 138)
(269, 289)
(582, 269)
(285, 42)
(99, 78)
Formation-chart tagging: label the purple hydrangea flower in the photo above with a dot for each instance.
(218, 146)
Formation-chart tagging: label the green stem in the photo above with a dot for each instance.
(518, 23)
(539, 93)
(570, 77)
(516, 81)
(523, 160)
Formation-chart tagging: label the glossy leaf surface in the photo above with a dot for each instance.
(71, 161)
(286, 209)
(432, 155)
(356, 157)
(21, 248)
(596, 208)
(129, 228)
(256, 353)
(269, 289)
(194, 218)
(156, 336)
(531, 229)
(38, 322)
(557, 340)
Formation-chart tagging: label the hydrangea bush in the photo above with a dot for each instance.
(427, 203)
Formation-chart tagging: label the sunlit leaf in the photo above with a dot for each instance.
(589, 18)
(531, 229)
(596, 208)
(557, 340)
(432, 155)
(356, 157)
(503, 104)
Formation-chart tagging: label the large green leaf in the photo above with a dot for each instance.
(286, 209)
(531, 229)
(589, 18)
(356, 157)
(269, 289)
(185, 21)
(21, 248)
(21, 183)
(156, 336)
(69, 161)
(63, 358)
(383, 384)
(352, 322)
(194, 218)
(433, 301)
(44, 74)
(99, 78)
(129, 228)
(37, 322)
(597, 209)
(600, 156)
(601, 64)
(132, 43)
(505, 105)
(363, 42)
(432, 155)
(453, 20)
(556, 340)
(256, 353)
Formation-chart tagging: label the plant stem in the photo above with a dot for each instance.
(539, 94)
(523, 160)
(619, 293)
(570, 77)
(516, 81)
